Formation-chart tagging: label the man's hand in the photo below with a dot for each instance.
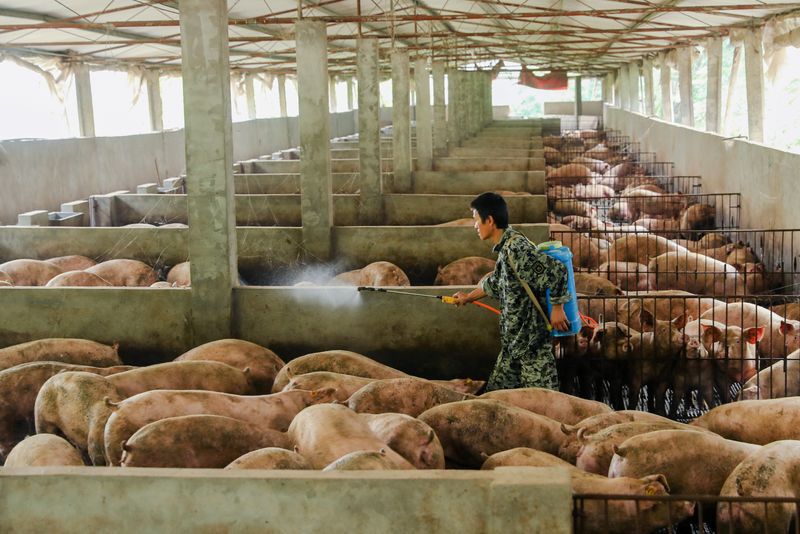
(462, 298)
(558, 318)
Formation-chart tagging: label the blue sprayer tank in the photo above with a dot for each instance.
(556, 250)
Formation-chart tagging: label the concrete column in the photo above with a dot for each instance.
(475, 103)
(624, 92)
(332, 94)
(453, 133)
(152, 78)
(649, 104)
(608, 88)
(487, 98)
(424, 116)
(439, 111)
(349, 83)
(250, 93)
(83, 90)
(316, 201)
(369, 131)
(666, 91)
(209, 166)
(401, 123)
(685, 84)
(578, 101)
(633, 86)
(754, 76)
(461, 106)
(282, 94)
(617, 85)
(714, 85)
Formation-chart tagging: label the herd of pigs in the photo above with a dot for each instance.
(236, 405)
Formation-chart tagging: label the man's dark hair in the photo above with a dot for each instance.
(491, 204)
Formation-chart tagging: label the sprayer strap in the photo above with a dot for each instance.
(529, 291)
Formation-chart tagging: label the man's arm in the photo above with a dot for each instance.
(467, 298)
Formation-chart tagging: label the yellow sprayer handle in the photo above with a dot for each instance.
(448, 300)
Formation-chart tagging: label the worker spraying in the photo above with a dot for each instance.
(521, 275)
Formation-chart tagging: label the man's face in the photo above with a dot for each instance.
(484, 228)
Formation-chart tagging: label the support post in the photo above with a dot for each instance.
(439, 114)
(83, 91)
(714, 85)
(250, 93)
(666, 90)
(316, 200)
(152, 77)
(349, 85)
(578, 102)
(453, 132)
(754, 76)
(332, 94)
(633, 86)
(401, 123)
(625, 90)
(369, 131)
(424, 115)
(282, 94)
(209, 166)
(488, 98)
(685, 83)
(649, 103)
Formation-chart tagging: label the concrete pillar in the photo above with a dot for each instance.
(754, 76)
(349, 84)
(488, 114)
(332, 94)
(282, 94)
(649, 104)
(578, 101)
(152, 77)
(475, 103)
(316, 201)
(461, 106)
(439, 111)
(714, 85)
(453, 133)
(608, 88)
(401, 123)
(83, 90)
(369, 131)
(209, 166)
(424, 116)
(685, 84)
(666, 91)
(617, 86)
(633, 76)
(250, 93)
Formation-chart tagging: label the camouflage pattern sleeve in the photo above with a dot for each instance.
(541, 271)
(490, 286)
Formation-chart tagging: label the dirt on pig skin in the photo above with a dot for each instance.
(363, 461)
(553, 404)
(72, 263)
(409, 437)
(125, 273)
(30, 272)
(77, 279)
(43, 450)
(197, 441)
(64, 350)
(410, 396)
(269, 458)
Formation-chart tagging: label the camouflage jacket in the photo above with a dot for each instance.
(519, 319)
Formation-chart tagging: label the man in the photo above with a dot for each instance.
(526, 357)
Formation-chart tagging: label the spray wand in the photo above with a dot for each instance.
(443, 298)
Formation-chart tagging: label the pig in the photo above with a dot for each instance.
(72, 263)
(464, 272)
(560, 191)
(593, 191)
(469, 429)
(377, 274)
(125, 273)
(274, 411)
(203, 375)
(30, 272)
(758, 280)
(344, 385)
(695, 273)
(789, 311)
(570, 174)
(43, 450)
(695, 463)
(781, 379)
(19, 386)
(553, 404)
(64, 350)
(364, 461)
(770, 471)
(664, 305)
(325, 432)
(632, 189)
(468, 221)
(598, 449)
(612, 516)
(269, 458)
(620, 170)
(76, 405)
(551, 155)
(592, 284)
(599, 151)
(263, 364)
(173, 225)
(553, 141)
(351, 363)
(77, 279)
(594, 165)
(712, 240)
(5, 279)
(639, 248)
(697, 217)
(642, 201)
(733, 349)
(179, 275)
(664, 227)
(586, 252)
(409, 437)
(197, 441)
(410, 396)
(573, 207)
(754, 421)
(619, 211)
(627, 276)
(162, 285)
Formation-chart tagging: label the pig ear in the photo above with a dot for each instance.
(115, 346)
(289, 372)
(679, 322)
(786, 327)
(567, 429)
(382, 452)
(646, 318)
(621, 332)
(618, 450)
(598, 336)
(711, 334)
(754, 334)
(654, 481)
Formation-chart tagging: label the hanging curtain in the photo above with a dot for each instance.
(555, 80)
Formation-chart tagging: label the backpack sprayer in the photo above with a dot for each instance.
(443, 298)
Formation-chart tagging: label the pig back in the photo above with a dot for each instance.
(335, 361)
(204, 375)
